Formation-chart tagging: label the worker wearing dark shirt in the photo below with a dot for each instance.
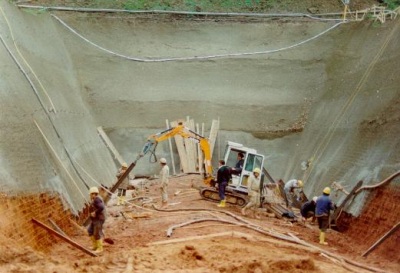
(323, 207)
(97, 215)
(307, 210)
(223, 177)
(239, 165)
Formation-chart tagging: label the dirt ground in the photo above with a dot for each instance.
(141, 244)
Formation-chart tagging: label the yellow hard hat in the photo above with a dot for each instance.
(257, 170)
(300, 183)
(124, 165)
(93, 190)
(327, 190)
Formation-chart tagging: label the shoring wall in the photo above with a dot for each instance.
(48, 139)
(350, 132)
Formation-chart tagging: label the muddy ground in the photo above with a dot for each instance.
(141, 244)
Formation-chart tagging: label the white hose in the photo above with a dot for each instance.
(195, 57)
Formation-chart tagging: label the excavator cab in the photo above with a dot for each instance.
(251, 160)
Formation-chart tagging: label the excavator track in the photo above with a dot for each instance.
(211, 194)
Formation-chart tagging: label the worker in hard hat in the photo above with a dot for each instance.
(290, 189)
(164, 180)
(253, 188)
(97, 217)
(307, 209)
(121, 194)
(323, 207)
(223, 177)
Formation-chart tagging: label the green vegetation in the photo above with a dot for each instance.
(392, 4)
(260, 6)
(179, 5)
(192, 5)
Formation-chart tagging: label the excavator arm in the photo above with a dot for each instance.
(209, 192)
(184, 132)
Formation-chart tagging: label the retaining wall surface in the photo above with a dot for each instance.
(333, 101)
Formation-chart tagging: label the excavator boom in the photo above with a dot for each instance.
(236, 193)
(184, 132)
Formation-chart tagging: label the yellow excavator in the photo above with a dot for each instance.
(236, 191)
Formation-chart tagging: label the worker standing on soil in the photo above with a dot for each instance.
(164, 177)
(123, 186)
(323, 207)
(253, 186)
(307, 210)
(223, 177)
(239, 164)
(290, 187)
(97, 217)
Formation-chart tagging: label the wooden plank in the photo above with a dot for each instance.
(170, 148)
(113, 188)
(110, 145)
(266, 173)
(199, 152)
(191, 238)
(76, 245)
(193, 144)
(120, 179)
(56, 227)
(383, 238)
(189, 150)
(213, 134)
(274, 209)
(181, 149)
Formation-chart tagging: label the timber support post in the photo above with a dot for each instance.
(59, 235)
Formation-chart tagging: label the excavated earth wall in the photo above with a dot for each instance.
(333, 101)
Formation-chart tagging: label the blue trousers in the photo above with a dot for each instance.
(221, 190)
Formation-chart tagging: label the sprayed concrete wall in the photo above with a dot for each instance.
(333, 101)
(48, 137)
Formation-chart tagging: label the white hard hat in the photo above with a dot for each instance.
(93, 190)
(257, 170)
(124, 165)
(163, 161)
(315, 199)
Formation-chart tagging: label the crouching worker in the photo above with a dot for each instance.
(97, 216)
(307, 210)
(323, 207)
(291, 190)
